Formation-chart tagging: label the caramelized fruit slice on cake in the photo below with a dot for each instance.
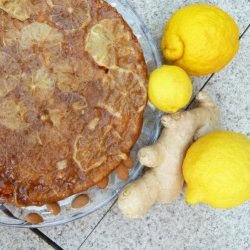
(125, 87)
(110, 43)
(39, 84)
(37, 34)
(20, 9)
(10, 73)
(70, 15)
(12, 114)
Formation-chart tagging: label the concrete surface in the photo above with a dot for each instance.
(177, 225)
(20, 239)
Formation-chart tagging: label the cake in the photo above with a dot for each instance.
(72, 93)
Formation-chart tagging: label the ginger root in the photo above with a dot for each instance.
(164, 181)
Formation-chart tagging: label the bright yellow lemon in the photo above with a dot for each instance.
(200, 38)
(217, 170)
(170, 88)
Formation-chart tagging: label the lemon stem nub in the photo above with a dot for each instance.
(173, 48)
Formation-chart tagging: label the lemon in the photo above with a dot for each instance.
(200, 38)
(170, 88)
(217, 170)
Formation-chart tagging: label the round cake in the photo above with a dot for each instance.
(72, 94)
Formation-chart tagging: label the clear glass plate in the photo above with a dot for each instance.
(14, 216)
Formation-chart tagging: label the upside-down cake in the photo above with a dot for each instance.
(72, 95)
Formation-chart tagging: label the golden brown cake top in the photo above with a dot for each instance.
(72, 94)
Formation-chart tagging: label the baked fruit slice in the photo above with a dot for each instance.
(9, 30)
(125, 87)
(39, 84)
(70, 15)
(10, 73)
(20, 9)
(110, 43)
(39, 34)
(12, 114)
